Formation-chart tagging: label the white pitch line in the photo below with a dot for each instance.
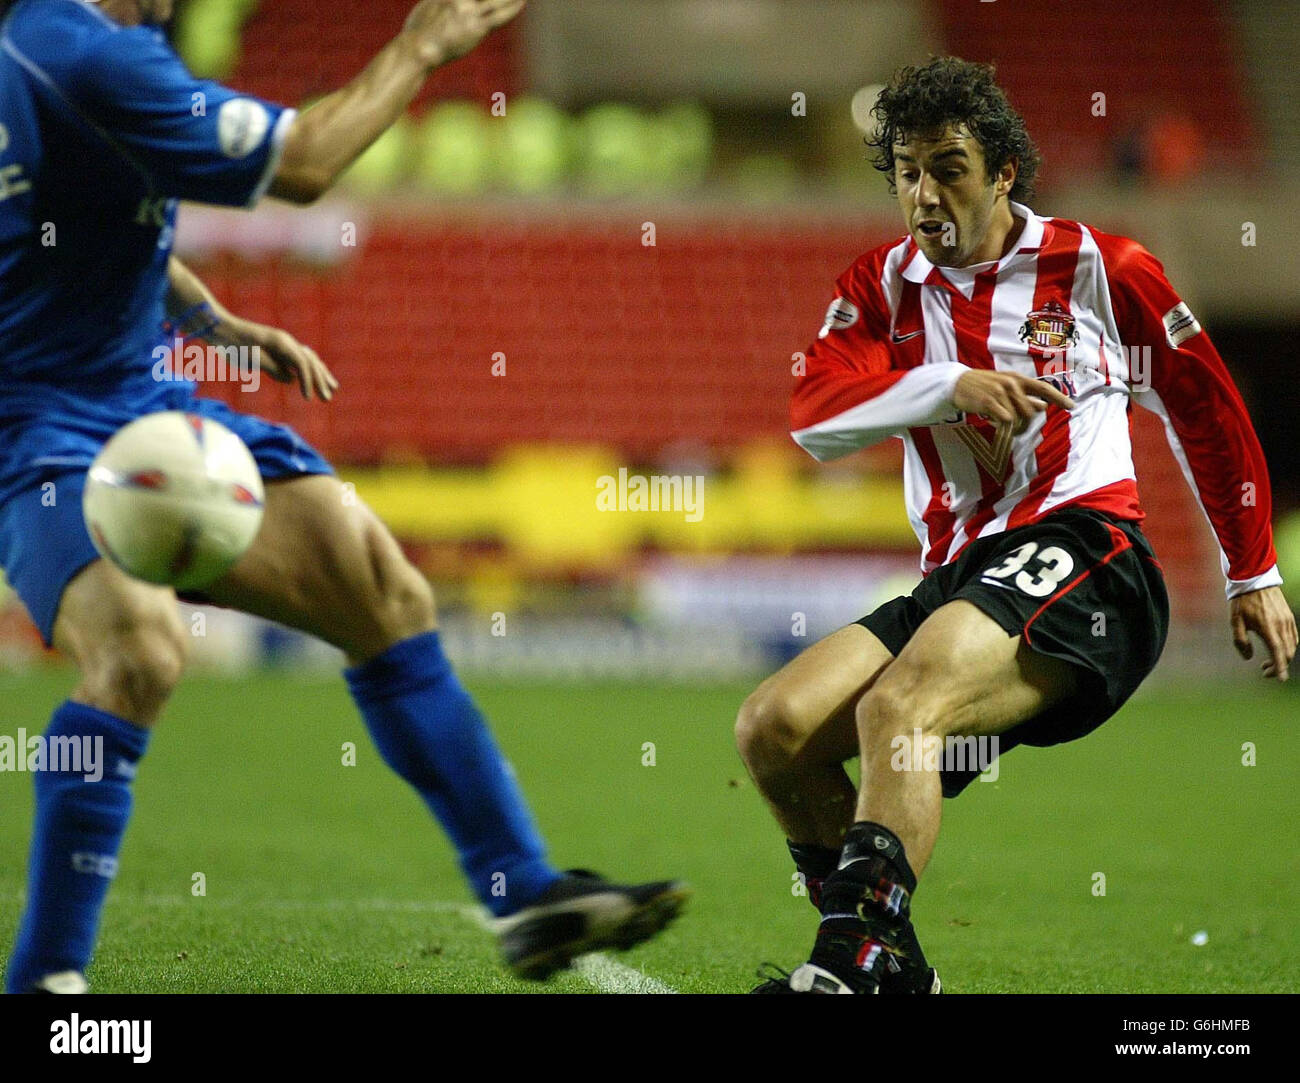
(610, 976)
(604, 974)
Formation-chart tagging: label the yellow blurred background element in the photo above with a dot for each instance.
(540, 503)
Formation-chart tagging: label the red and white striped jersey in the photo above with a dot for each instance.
(1091, 312)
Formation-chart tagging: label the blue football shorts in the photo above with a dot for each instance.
(43, 537)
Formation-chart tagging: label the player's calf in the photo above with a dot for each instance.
(794, 754)
(128, 642)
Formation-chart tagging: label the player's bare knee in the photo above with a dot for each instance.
(154, 661)
(768, 735)
(400, 597)
(411, 604)
(133, 673)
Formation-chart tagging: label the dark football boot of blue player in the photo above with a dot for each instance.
(581, 913)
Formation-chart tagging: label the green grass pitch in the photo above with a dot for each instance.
(322, 877)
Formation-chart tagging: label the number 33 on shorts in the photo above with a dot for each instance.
(1037, 572)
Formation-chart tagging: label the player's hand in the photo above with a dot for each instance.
(1006, 398)
(1266, 613)
(442, 30)
(282, 357)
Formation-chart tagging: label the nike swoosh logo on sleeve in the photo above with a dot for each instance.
(896, 337)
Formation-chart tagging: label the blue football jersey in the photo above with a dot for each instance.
(102, 131)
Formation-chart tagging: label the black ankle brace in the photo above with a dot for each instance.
(873, 875)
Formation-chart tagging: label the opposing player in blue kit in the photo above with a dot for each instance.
(102, 131)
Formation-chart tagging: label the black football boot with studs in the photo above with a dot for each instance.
(583, 912)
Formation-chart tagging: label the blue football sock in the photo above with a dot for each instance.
(428, 730)
(78, 830)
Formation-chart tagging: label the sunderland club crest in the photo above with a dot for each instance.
(1049, 329)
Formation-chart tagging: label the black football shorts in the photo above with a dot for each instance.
(1077, 585)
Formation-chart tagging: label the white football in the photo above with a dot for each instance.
(174, 498)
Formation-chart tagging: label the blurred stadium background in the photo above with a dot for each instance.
(505, 336)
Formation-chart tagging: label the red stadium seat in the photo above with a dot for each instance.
(318, 47)
(1176, 56)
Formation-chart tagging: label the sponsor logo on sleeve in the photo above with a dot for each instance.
(842, 315)
(241, 126)
(1180, 325)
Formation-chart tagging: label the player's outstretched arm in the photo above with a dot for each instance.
(279, 354)
(1210, 431)
(327, 138)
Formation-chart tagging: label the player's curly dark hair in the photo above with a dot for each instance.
(946, 91)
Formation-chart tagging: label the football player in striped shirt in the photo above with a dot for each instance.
(1005, 350)
(102, 132)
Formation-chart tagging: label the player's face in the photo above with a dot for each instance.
(947, 198)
